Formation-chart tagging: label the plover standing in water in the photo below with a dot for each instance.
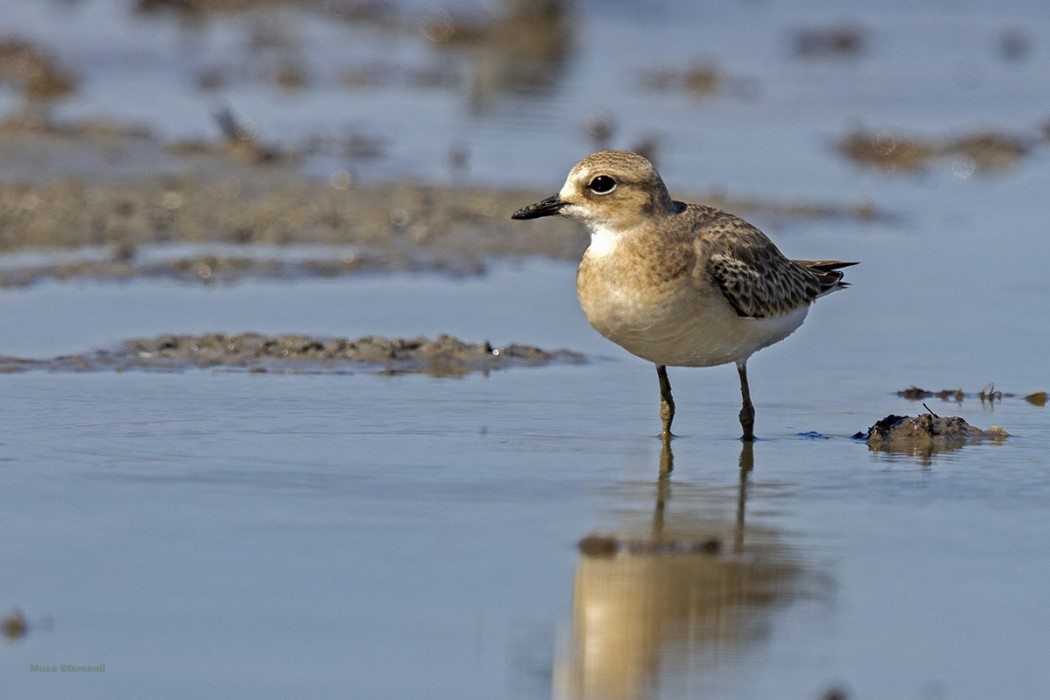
(678, 284)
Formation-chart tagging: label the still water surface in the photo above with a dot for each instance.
(416, 537)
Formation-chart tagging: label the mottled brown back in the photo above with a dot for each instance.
(755, 277)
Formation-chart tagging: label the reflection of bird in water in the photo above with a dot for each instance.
(682, 595)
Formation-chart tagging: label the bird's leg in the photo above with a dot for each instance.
(666, 403)
(747, 410)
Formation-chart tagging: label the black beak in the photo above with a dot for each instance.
(549, 206)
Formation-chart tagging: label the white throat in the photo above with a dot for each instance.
(603, 240)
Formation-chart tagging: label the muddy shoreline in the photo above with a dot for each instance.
(443, 356)
(137, 193)
(104, 202)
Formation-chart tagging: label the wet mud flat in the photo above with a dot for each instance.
(220, 197)
(443, 356)
(397, 226)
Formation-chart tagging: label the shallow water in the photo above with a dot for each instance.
(276, 533)
(266, 535)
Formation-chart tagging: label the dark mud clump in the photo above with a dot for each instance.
(33, 71)
(444, 356)
(834, 41)
(988, 394)
(699, 79)
(915, 393)
(925, 434)
(981, 152)
(1037, 398)
(15, 625)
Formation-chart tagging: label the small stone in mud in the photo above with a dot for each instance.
(33, 70)
(1036, 399)
(831, 41)
(15, 625)
(699, 79)
(927, 432)
(914, 393)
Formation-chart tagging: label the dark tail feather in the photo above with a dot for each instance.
(828, 272)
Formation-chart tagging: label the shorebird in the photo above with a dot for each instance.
(680, 284)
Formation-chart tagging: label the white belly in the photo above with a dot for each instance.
(684, 326)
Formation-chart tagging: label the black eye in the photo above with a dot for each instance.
(603, 184)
